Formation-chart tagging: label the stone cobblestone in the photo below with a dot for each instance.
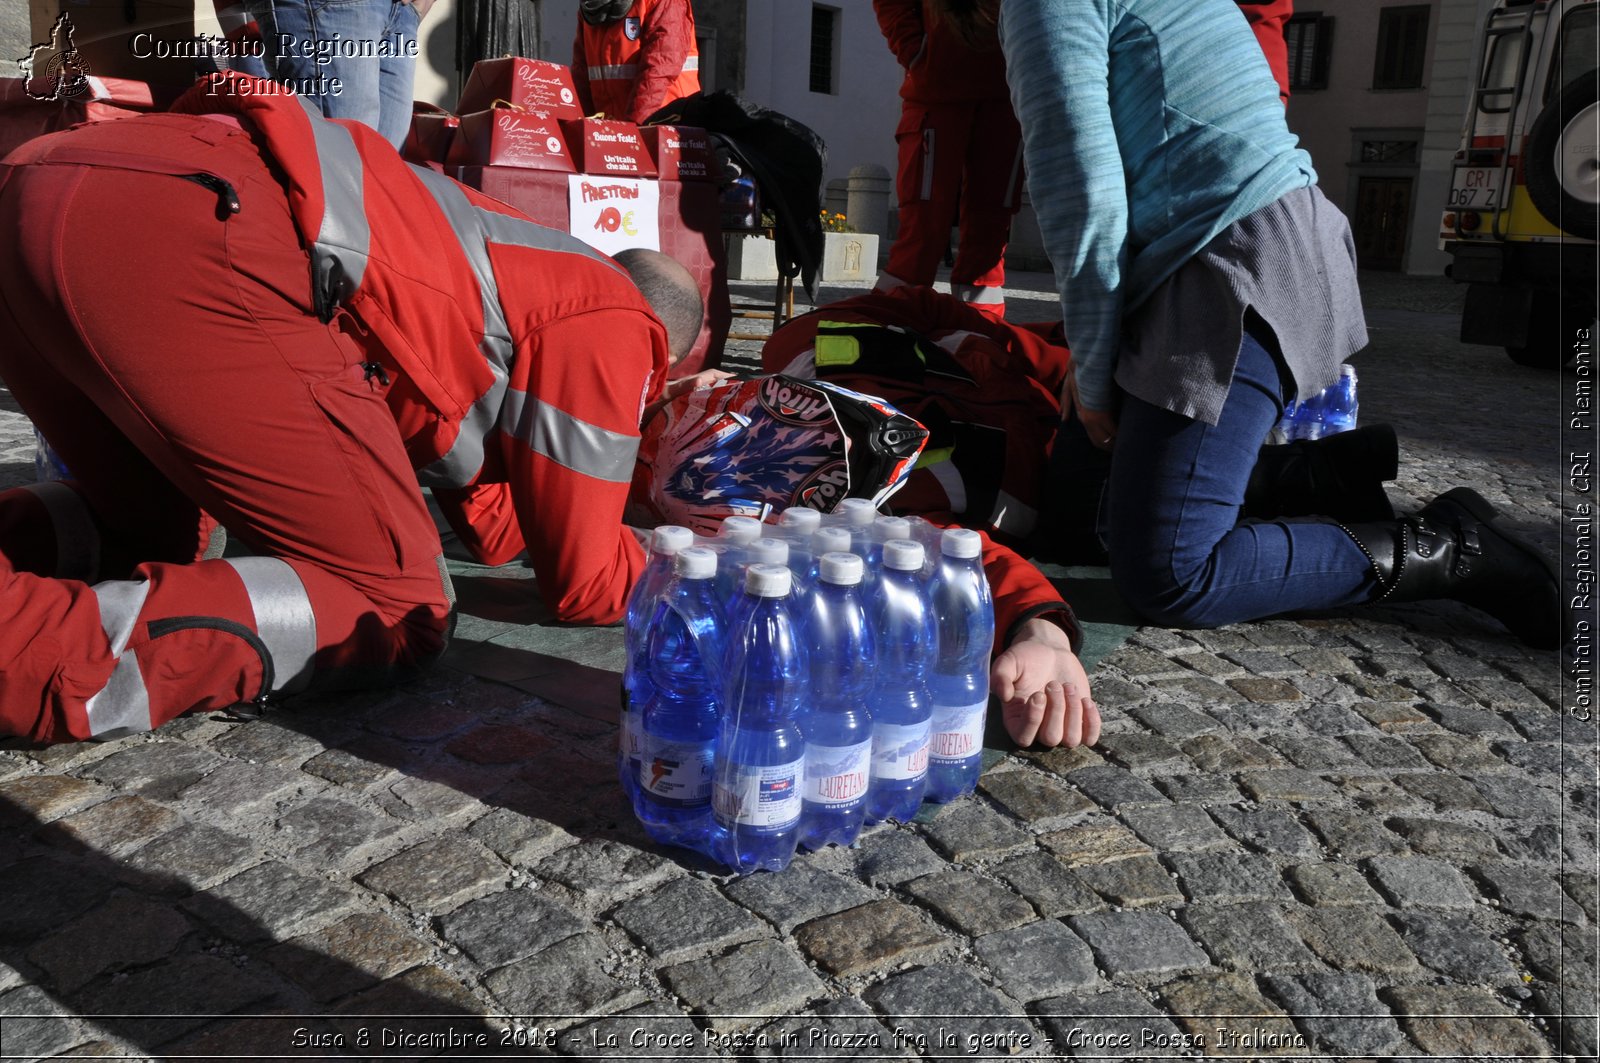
(1040, 959)
(686, 916)
(1049, 885)
(1491, 1030)
(1253, 936)
(1454, 947)
(1211, 1009)
(1411, 882)
(1137, 882)
(437, 875)
(1228, 876)
(1138, 943)
(755, 979)
(1353, 939)
(1349, 830)
(1356, 1023)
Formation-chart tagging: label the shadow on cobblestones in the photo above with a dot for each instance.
(167, 969)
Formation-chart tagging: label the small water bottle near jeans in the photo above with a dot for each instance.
(1330, 411)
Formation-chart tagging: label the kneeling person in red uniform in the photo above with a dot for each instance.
(246, 312)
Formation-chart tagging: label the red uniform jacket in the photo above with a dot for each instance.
(517, 359)
(632, 67)
(1267, 18)
(1015, 373)
(939, 66)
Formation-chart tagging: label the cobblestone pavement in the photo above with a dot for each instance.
(1366, 835)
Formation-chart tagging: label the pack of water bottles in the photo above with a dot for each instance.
(1329, 411)
(788, 683)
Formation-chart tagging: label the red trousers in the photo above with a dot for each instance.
(957, 158)
(166, 346)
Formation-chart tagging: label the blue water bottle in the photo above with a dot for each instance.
(901, 705)
(47, 464)
(796, 526)
(760, 754)
(963, 611)
(666, 543)
(679, 725)
(856, 515)
(827, 540)
(1340, 408)
(733, 537)
(838, 727)
(760, 552)
(883, 529)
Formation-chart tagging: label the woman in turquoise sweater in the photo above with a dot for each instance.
(1204, 279)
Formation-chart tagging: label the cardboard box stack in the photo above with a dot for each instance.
(681, 152)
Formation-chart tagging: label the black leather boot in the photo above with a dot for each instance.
(1453, 549)
(1339, 476)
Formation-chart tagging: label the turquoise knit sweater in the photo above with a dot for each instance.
(1149, 127)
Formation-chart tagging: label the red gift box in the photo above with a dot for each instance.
(505, 136)
(433, 130)
(681, 152)
(607, 146)
(530, 83)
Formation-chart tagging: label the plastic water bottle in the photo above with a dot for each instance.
(856, 515)
(883, 529)
(47, 464)
(838, 728)
(963, 611)
(760, 552)
(666, 543)
(740, 203)
(760, 755)
(901, 705)
(929, 534)
(796, 526)
(733, 537)
(1340, 408)
(679, 725)
(834, 540)
(802, 521)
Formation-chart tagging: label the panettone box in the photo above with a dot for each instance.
(433, 130)
(681, 152)
(528, 83)
(607, 146)
(507, 136)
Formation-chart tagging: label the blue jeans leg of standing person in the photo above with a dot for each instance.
(1179, 554)
(376, 90)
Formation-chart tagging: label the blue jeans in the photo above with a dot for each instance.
(1179, 554)
(302, 39)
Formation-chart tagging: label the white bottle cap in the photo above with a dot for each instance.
(831, 540)
(695, 562)
(858, 511)
(741, 531)
(960, 542)
(769, 551)
(669, 539)
(840, 568)
(802, 519)
(886, 528)
(766, 581)
(903, 555)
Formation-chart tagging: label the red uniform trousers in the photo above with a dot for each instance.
(955, 158)
(168, 349)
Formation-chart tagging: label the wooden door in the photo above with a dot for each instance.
(1382, 220)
